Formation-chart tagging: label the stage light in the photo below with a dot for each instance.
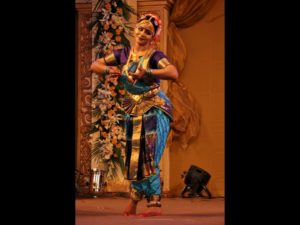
(195, 180)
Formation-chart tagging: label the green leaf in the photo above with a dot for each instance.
(128, 10)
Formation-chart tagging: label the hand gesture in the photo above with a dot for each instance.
(114, 71)
(139, 73)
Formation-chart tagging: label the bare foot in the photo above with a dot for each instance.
(130, 208)
(152, 211)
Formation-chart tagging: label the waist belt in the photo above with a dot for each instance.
(137, 105)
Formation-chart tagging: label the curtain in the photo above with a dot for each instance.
(186, 124)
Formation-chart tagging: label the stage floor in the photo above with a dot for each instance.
(108, 211)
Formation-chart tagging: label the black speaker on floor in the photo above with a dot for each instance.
(195, 180)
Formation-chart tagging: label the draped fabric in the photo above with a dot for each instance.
(186, 13)
(186, 124)
(151, 185)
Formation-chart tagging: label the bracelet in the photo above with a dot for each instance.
(148, 73)
(106, 71)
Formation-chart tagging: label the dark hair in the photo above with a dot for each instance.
(152, 20)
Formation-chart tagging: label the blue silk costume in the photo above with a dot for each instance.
(147, 121)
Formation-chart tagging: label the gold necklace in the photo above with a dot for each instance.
(136, 56)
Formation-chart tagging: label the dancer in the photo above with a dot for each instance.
(148, 110)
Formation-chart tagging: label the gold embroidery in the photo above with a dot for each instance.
(110, 59)
(148, 168)
(163, 63)
(134, 57)
(135, 149)
(136, 98)
(137, 105)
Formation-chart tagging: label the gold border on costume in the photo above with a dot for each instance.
(137, 105)
(135, 147)
(110, 59)
(163, 63)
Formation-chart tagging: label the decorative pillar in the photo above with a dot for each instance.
(83, 86)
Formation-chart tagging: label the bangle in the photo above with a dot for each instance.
(106, 71)
(148, 73)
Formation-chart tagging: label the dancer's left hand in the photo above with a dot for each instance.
(140, 72)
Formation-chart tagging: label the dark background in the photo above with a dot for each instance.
(38, 112)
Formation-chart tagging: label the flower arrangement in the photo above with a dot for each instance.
(109, 21)
(110, 18)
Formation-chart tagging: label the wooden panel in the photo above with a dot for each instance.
(83, 87)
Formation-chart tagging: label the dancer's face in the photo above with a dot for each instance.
(144, 32)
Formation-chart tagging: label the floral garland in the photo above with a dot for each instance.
(108, 143)
(110, 17)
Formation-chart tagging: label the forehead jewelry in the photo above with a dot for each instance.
(148, 24)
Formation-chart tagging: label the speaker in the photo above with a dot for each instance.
(195, 180)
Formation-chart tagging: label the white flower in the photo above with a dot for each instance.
(106, 150)
(102, 94)
(103, 107)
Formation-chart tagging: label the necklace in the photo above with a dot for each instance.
(137, 55)
(140, 59)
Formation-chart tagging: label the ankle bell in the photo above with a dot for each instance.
(154, 201)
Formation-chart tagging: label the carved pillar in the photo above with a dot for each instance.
(83, 86)
(161, 8)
